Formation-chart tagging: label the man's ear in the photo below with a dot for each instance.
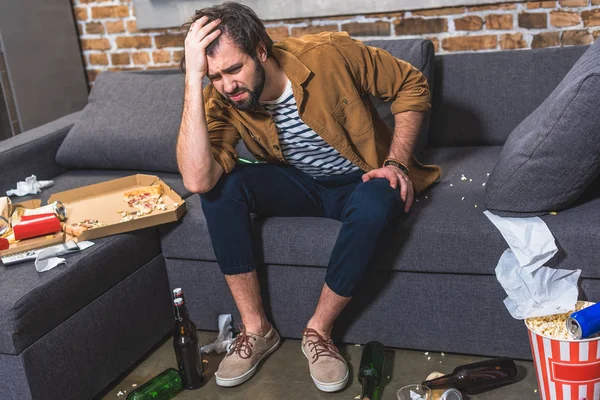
(261, 52)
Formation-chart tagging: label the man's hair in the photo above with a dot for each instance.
(239, 23)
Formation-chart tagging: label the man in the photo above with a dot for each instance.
(301, 106)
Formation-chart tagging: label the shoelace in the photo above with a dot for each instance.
(320, 346)
(241, 344)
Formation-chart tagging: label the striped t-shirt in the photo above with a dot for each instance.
(300, 145)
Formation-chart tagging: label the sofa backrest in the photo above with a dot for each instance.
(479, 98)
(421, 54)
(132, 119)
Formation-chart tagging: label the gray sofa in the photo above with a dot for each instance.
(70, 332)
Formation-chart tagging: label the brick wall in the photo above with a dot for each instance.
(111, 41)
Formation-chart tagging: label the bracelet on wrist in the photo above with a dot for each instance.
(396, 163)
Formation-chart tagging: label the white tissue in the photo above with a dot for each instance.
(225, 336)
(416, 396)
(46, 259)
(533, 290)
(30, 186)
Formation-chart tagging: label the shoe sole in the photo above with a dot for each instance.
(329, 387)
(231, 382)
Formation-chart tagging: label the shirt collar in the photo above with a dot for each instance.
(296, 71)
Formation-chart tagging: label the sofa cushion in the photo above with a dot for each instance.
(131, 121)
(553, 155)
(444, 232)
(77, 178)
(33, 303)
(479, 98)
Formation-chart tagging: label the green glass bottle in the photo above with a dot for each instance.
(164, 386)
(371, 368)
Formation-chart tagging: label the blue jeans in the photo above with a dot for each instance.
(368, 212)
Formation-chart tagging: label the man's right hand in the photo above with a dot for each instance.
(196, 42)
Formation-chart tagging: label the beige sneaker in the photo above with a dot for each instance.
(328, 369)
(245, 353)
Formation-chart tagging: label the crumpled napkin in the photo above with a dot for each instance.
(533, 290)
(30, 186)
(46, 259)
(225, 336)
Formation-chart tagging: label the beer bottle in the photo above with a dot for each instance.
(477, 376)
(371, 368)
(178, 294)
(164, 386)
(189, 359)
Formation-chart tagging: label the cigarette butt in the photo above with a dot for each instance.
(553, 213)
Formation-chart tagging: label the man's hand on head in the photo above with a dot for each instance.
(398, 180)
(199, 36)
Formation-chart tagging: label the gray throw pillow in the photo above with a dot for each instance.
(554, 154)
(131, 122)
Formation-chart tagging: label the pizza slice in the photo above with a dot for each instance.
(144, 199)
(78, 228)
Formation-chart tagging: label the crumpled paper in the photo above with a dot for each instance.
(533, 290)
(30, 186)
(47, 260)
(416, 396)
(225, 336)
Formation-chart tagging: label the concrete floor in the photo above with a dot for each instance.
(284, 375)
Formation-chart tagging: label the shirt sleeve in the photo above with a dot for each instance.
(222, 133)
(382, 75)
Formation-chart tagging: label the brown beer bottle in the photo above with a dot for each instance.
(187, 351)
(178, 294)
(477, 376)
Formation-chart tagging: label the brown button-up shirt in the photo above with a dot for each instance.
(332, 76)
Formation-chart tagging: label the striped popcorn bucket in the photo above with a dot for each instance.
(566, 370)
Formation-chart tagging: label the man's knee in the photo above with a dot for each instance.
(375, 201)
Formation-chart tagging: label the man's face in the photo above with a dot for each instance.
(236, 75)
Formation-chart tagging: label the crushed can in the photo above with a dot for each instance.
(584, 323)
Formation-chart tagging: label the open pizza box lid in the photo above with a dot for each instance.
(33, 243)
(105, 202)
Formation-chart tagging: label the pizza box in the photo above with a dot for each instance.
(104, 202)
(33, 243)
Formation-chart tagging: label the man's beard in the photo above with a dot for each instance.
(258, 84)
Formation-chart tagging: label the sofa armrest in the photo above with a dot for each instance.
(33, 152)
